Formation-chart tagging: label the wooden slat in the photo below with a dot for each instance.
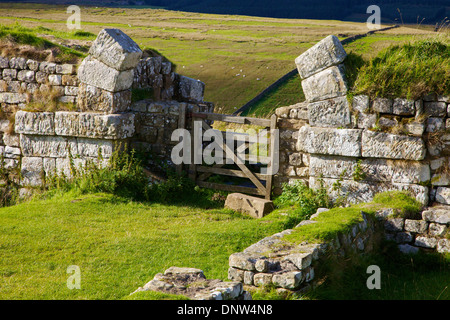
(229, 172)
(228, 187)
(232, 119)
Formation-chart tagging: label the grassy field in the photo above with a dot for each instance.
(119, 245)
(236, 56)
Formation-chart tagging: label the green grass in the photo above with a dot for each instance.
(21, 35)
(119, 245)
(340, 220)
(403, 277)
(409, 71)
(288, 93)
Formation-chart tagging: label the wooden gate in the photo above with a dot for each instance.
(237, 162)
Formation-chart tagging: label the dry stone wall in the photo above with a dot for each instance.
(285, 264)
(367, 145)
(100, 90)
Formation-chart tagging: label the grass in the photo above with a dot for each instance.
(407, 71)
(403, 277)
(118, 244)
(340, 220)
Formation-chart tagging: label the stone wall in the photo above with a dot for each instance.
(100, 91)
(366, 146)
(430, 233)
(284, 264)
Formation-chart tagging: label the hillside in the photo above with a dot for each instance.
(411, 11)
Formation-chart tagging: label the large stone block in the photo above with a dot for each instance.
(40, 123)
(326, 53)
(329, 141)
(95, 73)
(94, 125)
(380, 170)
(392, 146)
(333, 113)
(91, 98)
(326, 84)
(254, 206)
(32, 171)
(47, 146)
(115, 49)
(95, 148)
(438, 214)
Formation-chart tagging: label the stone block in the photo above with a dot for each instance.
(116, 49)
(253, 206)
(39, 123)
(32, 64)
(47, 146)
(426, 242)
(395, 224)
(32, 171)
(361, 191)
(300, 260)
(47, 67)
(443, 246)
(262, 279)
(9, 74)
(91, 98)
(326, 84)
(330, 141)
(326, 53)
(435, 124)
(242, 261)
(437, 230)
(65, 68)
(408, 249)
(366, 120)
(361, 103)
(288, 280)
(332, 113)
(25, 75)
(94, 125)
(54, 80)
(437, 214)
(381, 170)
(415, 128)
(95, 73)
(97, 147)
(417, 226)
(435, 109)
(382, 105)
(443, 195)
(403, 107)
(191, 89)
(13, 97)
(392, 146)
(236, 274)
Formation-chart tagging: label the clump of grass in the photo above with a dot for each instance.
(407, 71)
(16, 40)
(302, 200)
